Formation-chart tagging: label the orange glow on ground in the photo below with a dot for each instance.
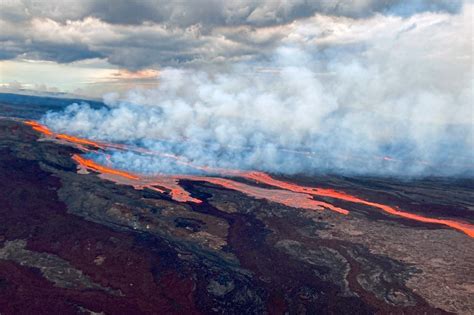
(90, 164)
(285, 197)
(75, 140)
(289, 194)
(266, 179)
(169, 183)
(78, 140)
(38, 127)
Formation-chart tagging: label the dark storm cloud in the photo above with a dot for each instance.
(125, 11)
(215, 12)
(136, 34)
(61, 53)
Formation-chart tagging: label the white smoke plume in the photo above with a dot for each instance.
(385, 96)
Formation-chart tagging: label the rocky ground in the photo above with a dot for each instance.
(75, 243)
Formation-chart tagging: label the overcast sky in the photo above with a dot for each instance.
(359, 78)
(95, 46)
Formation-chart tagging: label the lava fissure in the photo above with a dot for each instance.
(288, 194)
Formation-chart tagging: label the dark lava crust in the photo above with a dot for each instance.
(77, 244)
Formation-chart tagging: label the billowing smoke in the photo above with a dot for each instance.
(387, 96)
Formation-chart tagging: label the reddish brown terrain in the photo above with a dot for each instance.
(78, 237)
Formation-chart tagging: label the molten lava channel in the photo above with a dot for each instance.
(156, 183)
(287, 193)
(266, 179)
(60, 136)
(162, 183)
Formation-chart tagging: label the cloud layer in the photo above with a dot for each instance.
(140, 34)
(381, 95)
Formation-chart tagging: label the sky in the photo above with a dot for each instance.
(381, 87)
(92, 47)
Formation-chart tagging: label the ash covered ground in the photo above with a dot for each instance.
(75, 243)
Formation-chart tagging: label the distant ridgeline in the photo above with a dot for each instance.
(33, 107)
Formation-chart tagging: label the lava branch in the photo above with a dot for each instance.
(139, 182)
(71, 139)
(171, 183)
(90, 164)
(264, 178)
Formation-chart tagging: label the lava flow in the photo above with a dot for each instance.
(288, 194)
(74, 140)
(285, 197)
(38, 127)
(89, 164)
(139, 182)
(266, 179)
(171, 183)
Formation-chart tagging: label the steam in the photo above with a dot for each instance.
(395, 101)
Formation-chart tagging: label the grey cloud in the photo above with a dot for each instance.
(62, 53)
(125, 11)
(169, 33)
(217, 12)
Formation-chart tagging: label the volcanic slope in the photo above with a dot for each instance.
(75, 243)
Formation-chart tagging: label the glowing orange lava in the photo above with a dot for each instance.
(285, 197)
(289, 194)
(90, 164)
(75, 140)
(38, 127)
(169, 183)
(78, 140)
(266, 179)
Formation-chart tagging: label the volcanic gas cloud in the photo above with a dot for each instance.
(285, 193)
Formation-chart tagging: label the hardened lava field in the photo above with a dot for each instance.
(80, 242)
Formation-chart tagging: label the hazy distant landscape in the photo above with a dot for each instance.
(34, 107)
